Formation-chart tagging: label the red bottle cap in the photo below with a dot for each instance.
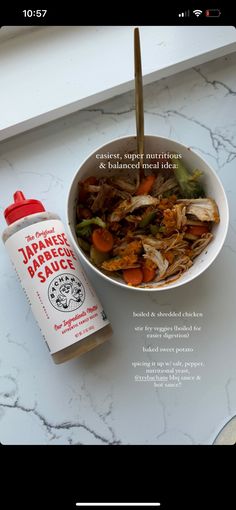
(21, 208)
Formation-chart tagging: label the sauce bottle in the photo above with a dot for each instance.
(68, 312)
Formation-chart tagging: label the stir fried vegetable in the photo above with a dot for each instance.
(133, 276)
(148, 218)
(84, 228)
(146, 185)
(189, 183)
(97, 257)
(102, 240)
(147, 228)
(149, 271)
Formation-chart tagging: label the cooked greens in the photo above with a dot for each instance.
(189, 184)
(84, 228)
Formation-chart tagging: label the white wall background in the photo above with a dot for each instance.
(50, 72)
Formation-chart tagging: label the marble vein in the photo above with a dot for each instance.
(218, 140)
(215, 83)
(51, 428)
(103, 415)
(11, 341)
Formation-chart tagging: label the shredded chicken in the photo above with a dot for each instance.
(175, 218)
(122, 194)
(179, 266)
(125, 185)
(205, 209)
(128, 206)
(181, 219)
(175, 241)
(156, 257)
(105, 194)
(169, 185)
(157, 185)
(92, 188)
(132, 218)
(199, 245)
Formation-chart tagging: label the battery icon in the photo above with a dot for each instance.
(213, 13)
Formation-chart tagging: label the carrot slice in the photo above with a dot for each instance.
(148, 274)
(149, 270)
(197, 230)
(133, 276)
(102, 240)
(146, 185)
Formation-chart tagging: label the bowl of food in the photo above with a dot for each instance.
(147, 224)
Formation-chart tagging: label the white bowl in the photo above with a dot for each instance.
(153, 144)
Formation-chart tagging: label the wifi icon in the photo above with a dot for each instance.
(197, 12)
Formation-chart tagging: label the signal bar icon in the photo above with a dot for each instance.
(184, 14)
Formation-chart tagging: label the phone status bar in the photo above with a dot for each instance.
(72, 16)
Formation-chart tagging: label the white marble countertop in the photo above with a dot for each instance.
(95, 399)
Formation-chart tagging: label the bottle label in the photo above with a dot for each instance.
(62, 300)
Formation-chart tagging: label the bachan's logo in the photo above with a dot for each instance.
(66, 292)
